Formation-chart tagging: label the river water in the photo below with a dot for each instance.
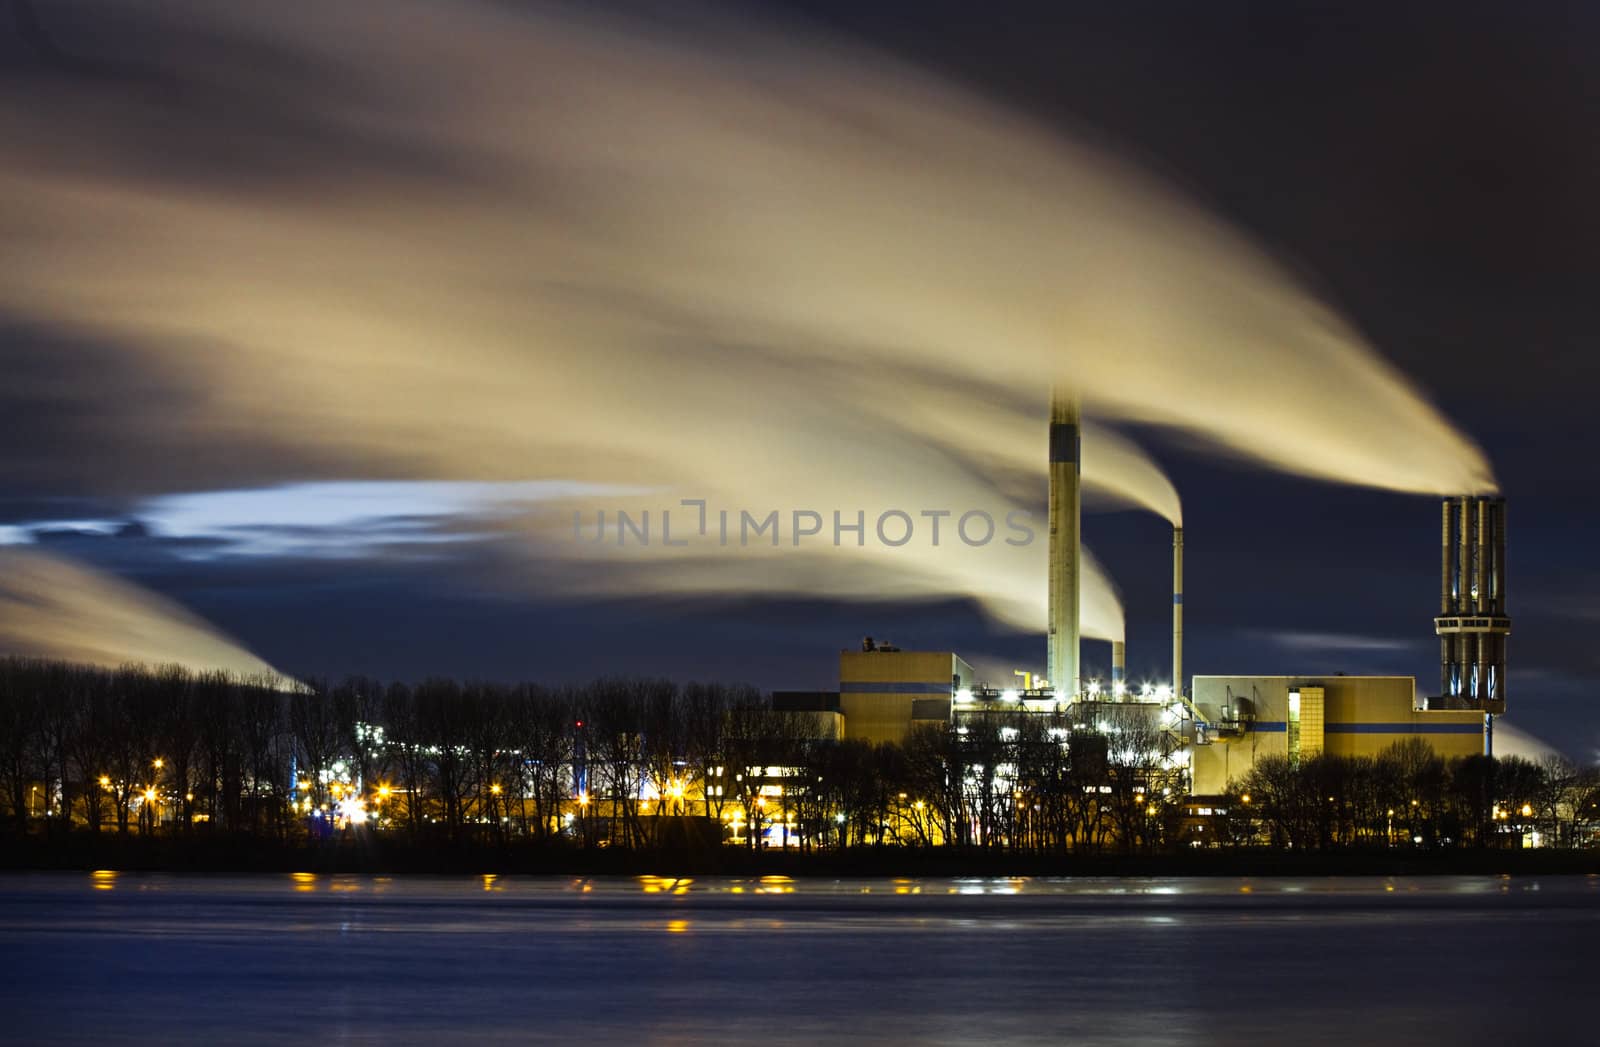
(108, 958)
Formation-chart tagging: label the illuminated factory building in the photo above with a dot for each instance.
(1214, 731)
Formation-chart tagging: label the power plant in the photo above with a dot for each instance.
(1212, 730)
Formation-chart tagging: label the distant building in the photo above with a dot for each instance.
(819, 709)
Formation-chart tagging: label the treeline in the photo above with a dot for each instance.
(615, 763)
(1408, 795)
(641, 764)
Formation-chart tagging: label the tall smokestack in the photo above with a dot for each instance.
(1119, 665)
(1472, 624)
(1065, 444)
(1447, 600)
(1177, 610)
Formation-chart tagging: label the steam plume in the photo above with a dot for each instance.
(53, 608)
(487, 242)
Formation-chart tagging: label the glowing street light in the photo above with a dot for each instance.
(105, 781)
(495, 789)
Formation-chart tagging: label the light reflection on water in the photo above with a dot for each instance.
(649, 959)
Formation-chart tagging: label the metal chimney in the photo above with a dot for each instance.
(1472, 624)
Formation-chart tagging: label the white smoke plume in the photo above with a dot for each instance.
(54, 608)
(484, 241)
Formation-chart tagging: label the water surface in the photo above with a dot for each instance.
(110, 958)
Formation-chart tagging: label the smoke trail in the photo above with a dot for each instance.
(1510, 740)
(762, 268)
(54, 608)
(1120, 468)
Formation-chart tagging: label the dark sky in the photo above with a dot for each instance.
(1428, 169)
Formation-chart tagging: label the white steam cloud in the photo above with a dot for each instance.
(499, 242)
(54, 608)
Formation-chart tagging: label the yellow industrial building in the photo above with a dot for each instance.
(884, 691)
(1242, 719)
(1230, 723)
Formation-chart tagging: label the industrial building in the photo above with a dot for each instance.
(1242, 719)
(884, 691)
(1215, 731)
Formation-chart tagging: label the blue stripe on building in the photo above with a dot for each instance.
(893, 688)
(1403, 728)
(1279, 726)
(1177, 598)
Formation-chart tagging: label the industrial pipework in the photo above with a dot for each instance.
(1065, 447)
(1472, 624)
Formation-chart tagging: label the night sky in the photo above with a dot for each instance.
(1429, 170)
